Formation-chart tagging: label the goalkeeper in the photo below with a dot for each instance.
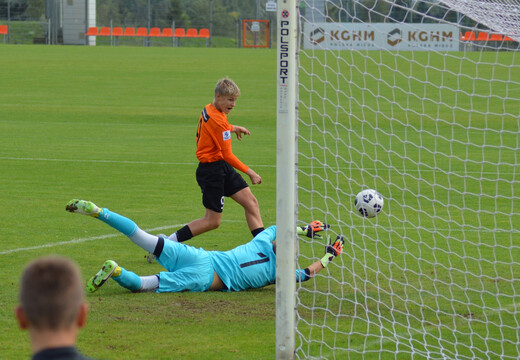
(249, 266)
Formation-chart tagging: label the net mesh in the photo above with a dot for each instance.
(502, 16)
(436, 132)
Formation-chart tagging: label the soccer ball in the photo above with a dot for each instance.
(369, 203)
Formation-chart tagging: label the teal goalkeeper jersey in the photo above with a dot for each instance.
(248, 266)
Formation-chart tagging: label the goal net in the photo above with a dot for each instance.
(419, 100)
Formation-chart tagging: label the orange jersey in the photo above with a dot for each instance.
(214, 138)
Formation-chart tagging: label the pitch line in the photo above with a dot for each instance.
(78, 241)
(99, 161)
(68, 242)
(112, 161)
(320, 166)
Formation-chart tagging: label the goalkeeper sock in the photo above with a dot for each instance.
(129, 228)
(118, 222)
(128, 280)
(149, 283)
(144, 240)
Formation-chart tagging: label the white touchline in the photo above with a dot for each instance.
(110, 161)
(320, 166)
(100, 161)
(77, 241)
(73, 241)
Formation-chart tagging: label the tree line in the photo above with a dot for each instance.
(223, 15)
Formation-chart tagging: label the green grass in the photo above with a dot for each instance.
(435, 273)
(117, 126)
(443, 150)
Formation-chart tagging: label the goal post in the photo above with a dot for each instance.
(420, 100)
(286, 178)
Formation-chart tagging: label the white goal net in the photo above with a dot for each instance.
(419, 100)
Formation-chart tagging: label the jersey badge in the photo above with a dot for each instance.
(226, 135)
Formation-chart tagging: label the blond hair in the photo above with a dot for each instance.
(51, 293)
(227, 87)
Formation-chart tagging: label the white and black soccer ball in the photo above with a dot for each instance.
(369, 203)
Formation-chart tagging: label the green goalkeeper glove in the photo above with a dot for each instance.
(332, 250)
(312, 229)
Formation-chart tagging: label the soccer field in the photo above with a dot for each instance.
(116, 125)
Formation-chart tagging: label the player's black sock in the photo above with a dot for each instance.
(184, 234)
(257, 231)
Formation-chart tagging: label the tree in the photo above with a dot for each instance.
(15, 8)
(176, 13)
(35, 9)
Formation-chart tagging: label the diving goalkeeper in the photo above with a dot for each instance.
(248, 266)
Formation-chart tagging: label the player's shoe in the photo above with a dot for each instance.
(102, 275)
(150, 258)
(83, 207)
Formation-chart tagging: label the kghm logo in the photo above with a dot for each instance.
(394, 37)
(317, 36)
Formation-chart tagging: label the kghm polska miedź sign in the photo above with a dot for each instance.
(337, 36)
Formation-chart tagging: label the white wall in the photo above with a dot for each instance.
(78, 15)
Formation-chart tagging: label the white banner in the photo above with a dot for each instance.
(377, 36)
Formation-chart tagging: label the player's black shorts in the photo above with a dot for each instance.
(216, 180)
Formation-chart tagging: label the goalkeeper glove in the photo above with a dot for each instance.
(332, 250)
(312, 229)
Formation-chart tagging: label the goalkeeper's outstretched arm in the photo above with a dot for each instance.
(331, 251)
(312, 270)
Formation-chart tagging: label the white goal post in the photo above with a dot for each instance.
(287, 37)
(420, 100)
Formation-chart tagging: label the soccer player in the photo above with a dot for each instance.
(52, 307)
(216, 173)
(248, 266)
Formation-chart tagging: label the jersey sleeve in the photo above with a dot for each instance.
(303, 275)
(232, 160)
(268, 235)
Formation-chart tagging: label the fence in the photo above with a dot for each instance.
(174, 36)
(221, 19)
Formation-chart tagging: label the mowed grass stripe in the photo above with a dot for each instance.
(123, 111)
(117, 126)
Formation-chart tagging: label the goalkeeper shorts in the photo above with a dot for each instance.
(187, 268)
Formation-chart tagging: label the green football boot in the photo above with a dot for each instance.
(83, 207)
(109, 268)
